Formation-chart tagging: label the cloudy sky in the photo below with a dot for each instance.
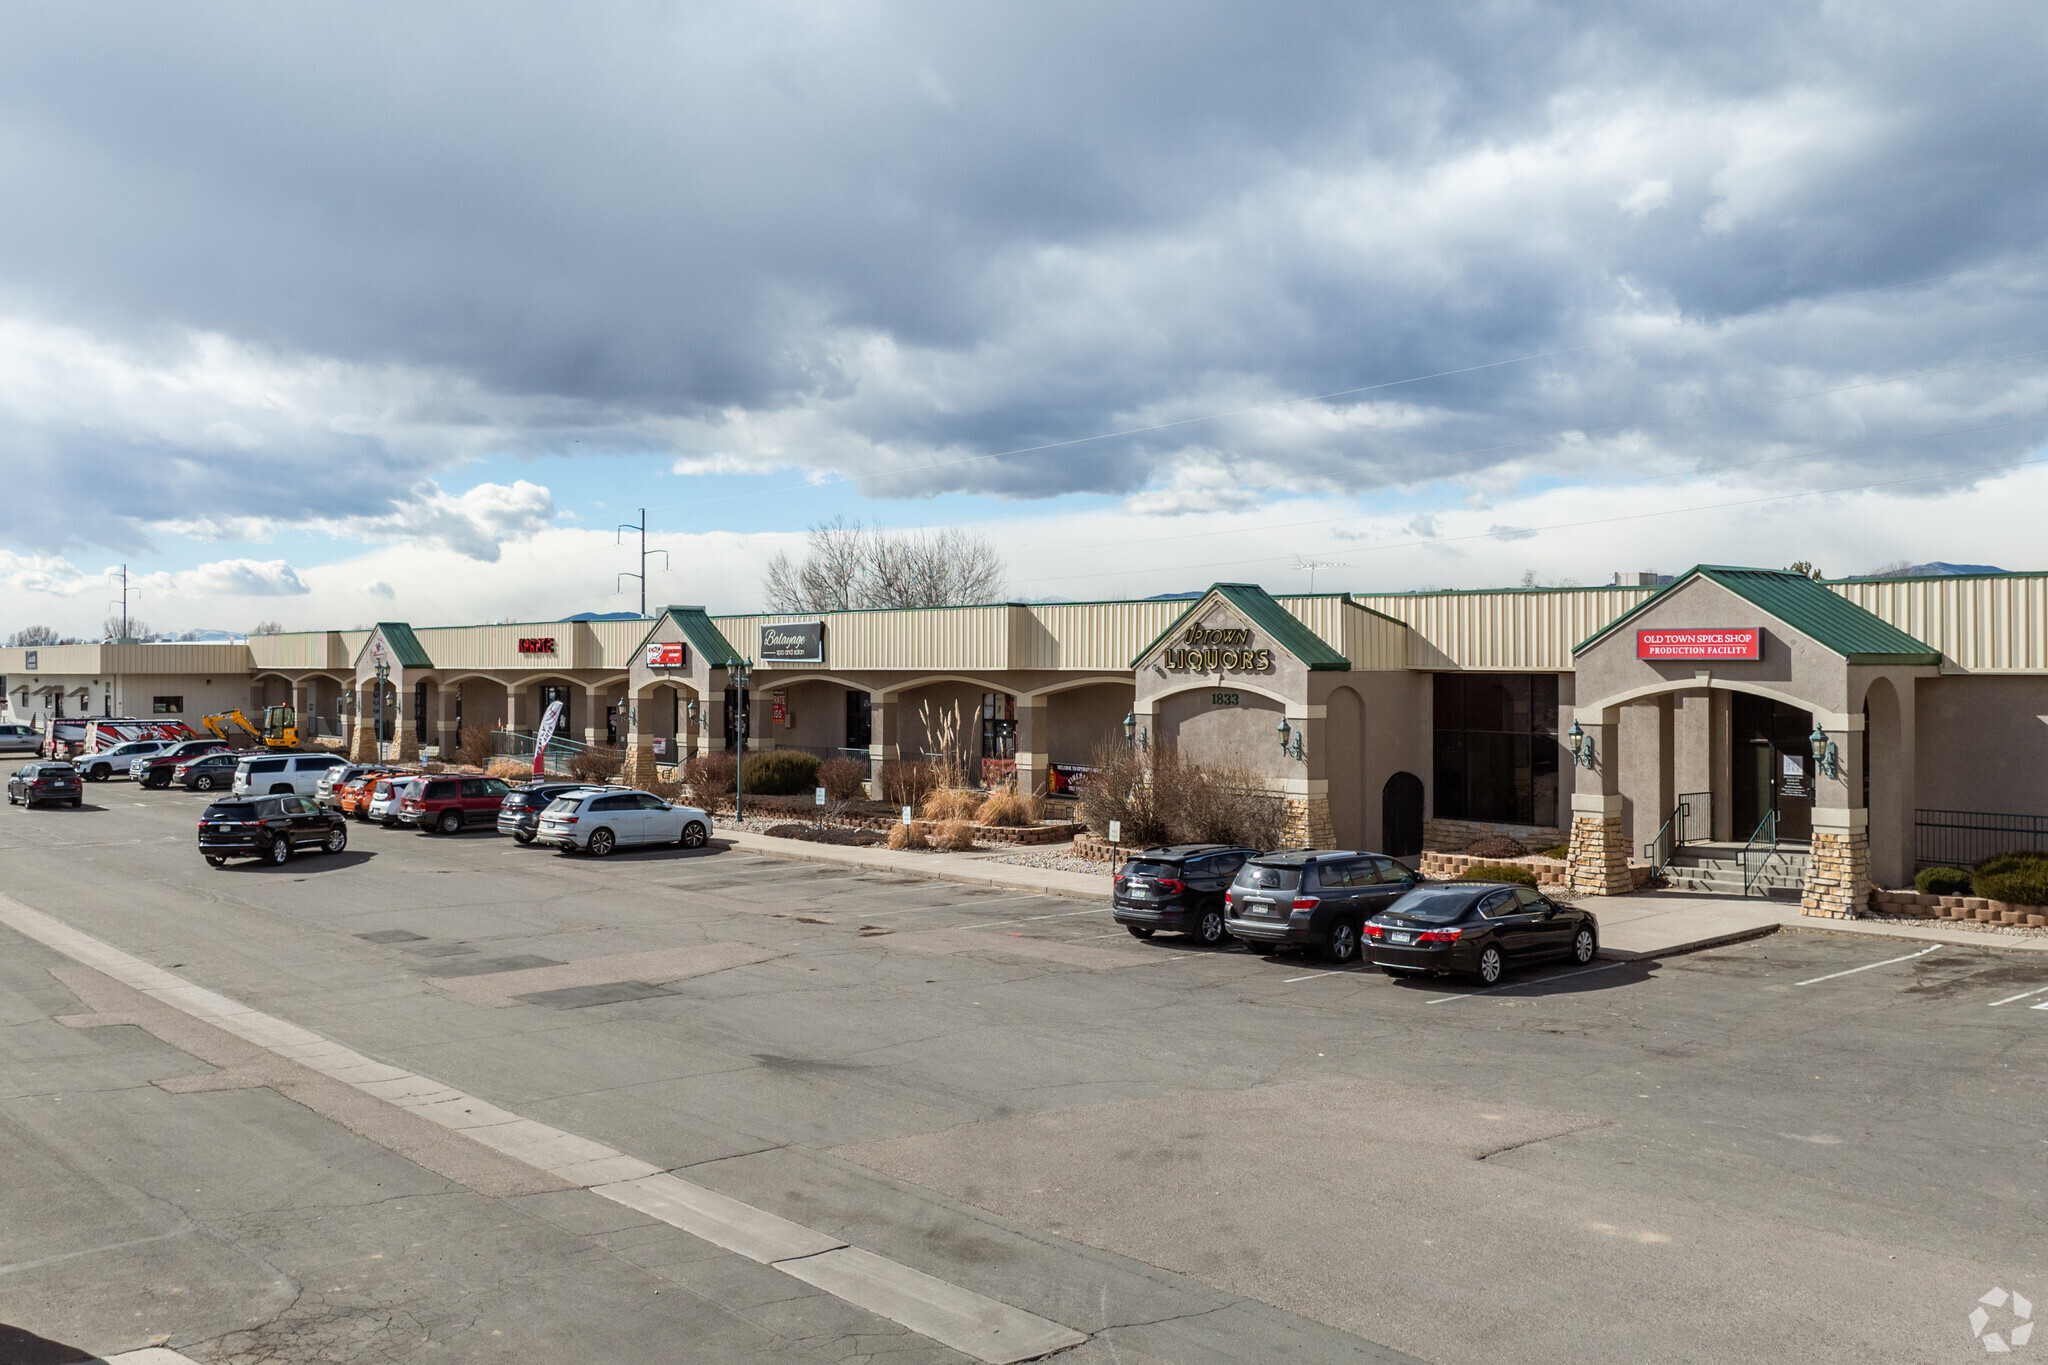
(339, 314)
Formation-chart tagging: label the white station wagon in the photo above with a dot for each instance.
(600, 821)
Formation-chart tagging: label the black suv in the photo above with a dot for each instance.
(1178, 888)
(269, 827)
(46, 781)
(519, 816)
(1312, 898)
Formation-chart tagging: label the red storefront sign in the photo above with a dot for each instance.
(1744, 642)
(668, 655)
(537, 644)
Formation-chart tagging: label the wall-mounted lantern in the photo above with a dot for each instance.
(1130, 727)
(1290, 738)
(1826, 756)
(1284, 729)
(1581, 745)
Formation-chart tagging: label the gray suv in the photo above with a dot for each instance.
(1312, 898)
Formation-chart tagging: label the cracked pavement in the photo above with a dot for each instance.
(1185, 1155)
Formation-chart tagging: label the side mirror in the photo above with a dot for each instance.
(1549, 910)
(1408, 880)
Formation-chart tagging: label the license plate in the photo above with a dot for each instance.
(1260, 907)
(1400, 937)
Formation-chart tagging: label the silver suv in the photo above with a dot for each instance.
(281, 774)
(599, 821)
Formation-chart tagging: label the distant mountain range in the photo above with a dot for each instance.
(605, 616)
(1937, 569)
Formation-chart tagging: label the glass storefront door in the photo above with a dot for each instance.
(1773, 767)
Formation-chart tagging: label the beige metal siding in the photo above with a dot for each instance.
(613, 642)
(78, 660)
(1979, 624)
(296, 649)
(1525, 630)
(1091, 636)
(1372, 642)
(207, 659)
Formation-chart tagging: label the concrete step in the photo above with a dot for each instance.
(1729, 884)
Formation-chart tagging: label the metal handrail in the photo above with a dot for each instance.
(1768, 823)
(1665, 842)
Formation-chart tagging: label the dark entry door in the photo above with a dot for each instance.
(1773, 767)
(736, 703)
(1401, 815)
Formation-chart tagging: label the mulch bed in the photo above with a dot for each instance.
(827, 834)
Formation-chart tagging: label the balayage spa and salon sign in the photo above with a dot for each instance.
(1227, 650)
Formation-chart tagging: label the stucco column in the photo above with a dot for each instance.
(1692, 757)
(404, 722)
(638, 743)
(1597, 860)
(1837, 884)
(1894, 782)
(882, 720)
(519, 711)
(447, 722)
(1032, 745)
(593, 715)
(1721, 711)
(302, 709)
(711, 716)
(1644, 764)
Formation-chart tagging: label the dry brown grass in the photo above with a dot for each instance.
(844, 779)
(907, 837)
(906, 782)
(954, 836)
(1008, 809)
(511, 769)
(598, 764)
(1159, 798)
(711, 775)
(951, 804)
(473, 746)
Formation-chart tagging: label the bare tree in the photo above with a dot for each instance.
(847, 566)
(130, 628)
(267, 628)
(1898, 568)
(32, 636)
(1803, 566)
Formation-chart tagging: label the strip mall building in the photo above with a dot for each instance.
(1381, 719)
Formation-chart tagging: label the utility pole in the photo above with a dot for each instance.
(124, 633)
(641, 527)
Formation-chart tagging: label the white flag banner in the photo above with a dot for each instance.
(548, 721)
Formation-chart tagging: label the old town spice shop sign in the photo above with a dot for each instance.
(1745, 642)
(1216, 651)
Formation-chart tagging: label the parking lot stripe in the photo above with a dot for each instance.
(1334, 971)
(986, 1329)
(2039, 990)
(1517, 985)
(1815, 981)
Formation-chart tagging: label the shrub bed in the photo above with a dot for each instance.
(2015, 878)
(1942, 881)
(1498, 872)
(827, 834)
(844, 779)
(780, 772)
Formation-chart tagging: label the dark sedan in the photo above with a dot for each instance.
(272, 828)
(519, 816)
(208, 771)
(45, 781)
(1479, 928)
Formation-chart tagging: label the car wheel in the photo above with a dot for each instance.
(1343, 944)
(203, 782)
(1584, 946)
(215, 860)
(279, 853)
(694, 834)
(523, 838)
(602, 842)
(1208, 930)
(77, 801)
(1491, 965)
(337, 840)
(450, 822)
(1140, 931)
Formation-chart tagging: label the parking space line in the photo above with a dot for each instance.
(1033, 919)
(1334, 971)
(2039, 990)
(1535, 981)
(1815, 981)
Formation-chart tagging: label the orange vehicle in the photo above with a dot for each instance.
(354, 799)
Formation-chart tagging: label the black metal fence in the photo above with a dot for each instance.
(1964, 838)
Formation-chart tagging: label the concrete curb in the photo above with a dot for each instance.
(1687, 946)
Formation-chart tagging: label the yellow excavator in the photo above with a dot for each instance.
(280, 728)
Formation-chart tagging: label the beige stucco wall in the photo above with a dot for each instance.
(1081, 719)
(1982, 744)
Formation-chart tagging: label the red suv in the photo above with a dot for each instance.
(449, 805)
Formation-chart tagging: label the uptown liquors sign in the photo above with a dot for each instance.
(1227, 650)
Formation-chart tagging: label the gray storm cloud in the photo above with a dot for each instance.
(286, 267)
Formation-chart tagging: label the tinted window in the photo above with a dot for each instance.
(473, 786)
(1436, 904)
(495, 786)
(1528, 895)
(564, 805)
(649, 801)
(267, 765)
(614, 803)
(1360, 872)
(1497, 904)
(1265, 877)
(299, 805)
(1150, 867)
(444, 791)
(230, 810)
(1389, 870)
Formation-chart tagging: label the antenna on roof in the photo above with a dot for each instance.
(1313, 564)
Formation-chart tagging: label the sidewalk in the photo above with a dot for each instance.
(973, 869)
(1643, 924)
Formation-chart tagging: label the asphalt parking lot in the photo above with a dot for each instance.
(1804, 1147)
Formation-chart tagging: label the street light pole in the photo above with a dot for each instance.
(741, 671)
(383, 673)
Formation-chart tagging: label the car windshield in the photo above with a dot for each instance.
(1267, 877)
(1146, 867)
(230, 810)
(1433, 904)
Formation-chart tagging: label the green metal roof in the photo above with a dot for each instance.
(1828, 618)
(1257, 606)
(703, 634)
(406, 649)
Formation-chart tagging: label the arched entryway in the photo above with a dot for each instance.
(1401, 816)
